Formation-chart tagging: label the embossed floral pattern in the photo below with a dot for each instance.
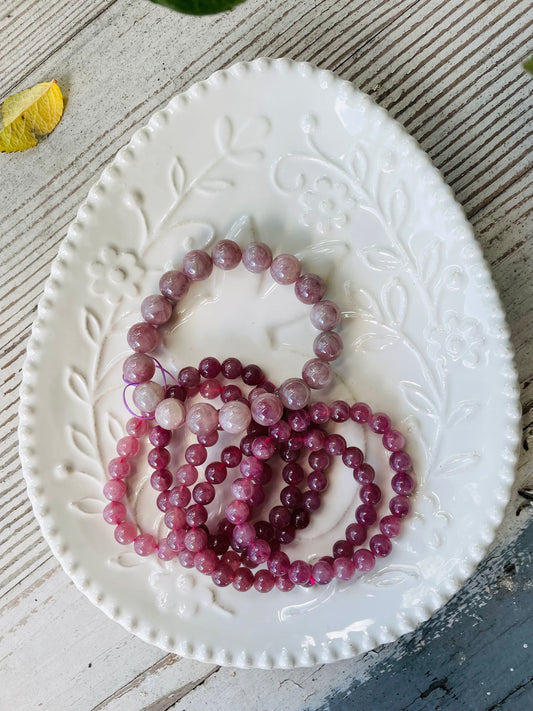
(460, 338)
(326, 205)
(115, 274)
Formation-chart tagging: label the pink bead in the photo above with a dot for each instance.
(196, 515)
(209, 367)
(231, 368)
(202, 419)
(196, 454)
(400, 461)
(215, 472)
(210, 389)
(174, 285)
(170, 414)
(179, 496)
(285, 269)
(159, 436)
(352, 457)
(364, 560)
(335, 444)
(223, 576)
(319, 413)
(136, 427)
(163, 501)
(322, 572)
(343, 568)
(114, 489)
(390, 526)
(125, 533)
(278, 563)
(299, 572)
(161, 480)
(226, 254)
(165, 552)
(147, 396)
(203, 493)
(244, 534)
(319, 460)
(309, 288)
(364, 474)
(186, 474)
(138, 368)
(114, 512)
(403, 484)
(342, 549)
(366, 515)
(263, 581)
(267, 409)
(314, 440)
(258, 496)
(158, 457)
(243, 579)
(195, 539)
(251, 468)
(311, 501)
(325, 315)
(237, 512)
(317, 373)
(360, 412)
(356, 533)
(380, 423)
(317, 481)
(175, 518)
(230, 392)
(393, 441)
(155, 309)
(143, 338)
(328, 346)
(380, 545)
(206, 561)
(186, 558)
(234, 417)
(263, 448)
(399, 506)
(145, 544)
(231, 559)
(189, 377)
(281, 431)
(284, 583)
(176, 540)
(258, 551)
(294, 393)
(127, 446)
(242, 489)
(370, 494)
(119, 468)
(197, 265)
(257, 257)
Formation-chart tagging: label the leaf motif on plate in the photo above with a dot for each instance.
(359, 164)
(77, 384)
(177, 176)
(394, 296)
(464, 410)
(223, 133)
(429, 262)
(363, 303)
(81, 441)
(177, 238)
(88, 505)
(91, 326)
(113, 427)
(456, 464)
(381, 259)
(392, 575)
(418, 398)
(251, 134)
(373, 342)
(398, 207)
(213, 186)
(126, 560)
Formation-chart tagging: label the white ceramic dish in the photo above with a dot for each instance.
(285, 153)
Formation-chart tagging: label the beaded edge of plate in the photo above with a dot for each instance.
(405, 621)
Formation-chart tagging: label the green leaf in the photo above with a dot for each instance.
(528, 65)
(199, 7)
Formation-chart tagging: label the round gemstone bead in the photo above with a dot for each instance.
(291, 497)
(285, 269)
(294, 394)
(138, 368)
(352, 457)
(257, 257)
(206, 561)
(299, 572)
(319, 460)
(145, 544)
(370, 494)
(317, 480)
(159, 436)
(325, 315)
(322, 572)
(174, 285)
(278, 563)
(231, 368)
(400, 461)
(114, 512)
(161, 480)
(309, 288)
(164, 551)
(127, 447)
(380, 545)
(243, 579)
(155, 309)
(252, 374)
(196, 454)
(366, 515)
(226, 254)
(251, 468)
(136, 427)
(393, 441)
(281, 431)
(293, 474)
(356, 533)
(223, 576)
(119, 468)
(263, 448)
(216, 472)
(170, 414)
(175, 518)
(189, 377)
(402, 484)
(202, 418)
(231, 456)
(186, 474)
(203, 493)
(399, 506)
(360, 412)
(380, 423)
(311, 501)
(237, 512)
(234, 417)
(264, 581)
(364, 560)
(230, 392)
(390, 526)
(125, 532)
(335, 444)
(319, 412)
(158, 457)
(279, 517)
(209, 367)
(244, 534)
(143, 337)
(340, 411)
(197, 265)
(286, 535)
(342, 549)
(328, 346)
(284, 583)
(114, 489)
(210, 389)
(343, 568)
(364, 474)
(267, 409)
(300, 518)
(186, 558)
(258, 551)
(195, 540)
(317, 373)
(314, 440)
(147, 396)
(196, 515)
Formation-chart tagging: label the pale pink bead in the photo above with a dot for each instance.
(114, 512)
(343, 568)
(328, 345)
(127, 446)
(119, 468)
(125, 532)
(174, 285)
(155, 309)
(114, 489)
(244, 534)
(364, 560)
(309, 288)
(202, 418)
(322, 572)
(206, 561)
(256, 392)
(267, 409)
(257, 257)
(147, 396)
(300, 572)
(186, 474)
(197, 265)
(285, 269)
(136, 427)
(263, 447)
(145, 544)
(393, 440)
(170, 414)
(195, 539)
(294, 393)
(226, 254)
(143, 338)
(234, 417)
(138, 368)
(325, 315)
(237, 512)
(165, 552)
(317, 373)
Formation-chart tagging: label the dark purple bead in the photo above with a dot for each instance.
(263, 581)
(209, 439)
(291, 497)
(317, 480)
(300, 518)
(370, 494)
(311, 501)
(403, 484)
(322, 572)
(231, 456)
(399, 506)
(340, 411)
(380, 423)
(295, 441)
(390, 526)
(158, 458)
(215, 473)
(203, 493)
(222, 576)
(252, 374)
(288, 454)
(159, 437)
(281, 431)
(342, 549)
(299, 420)
(319, 460)
(278, 563)
(352, 457)
(356, 533)
(196, 515)
(364, 474)
(400, 461)
(264, 530)
(360, 412)
(279, 517)
(177, 392)
(243, 579)
(293, 474)
(189, 377)
(161, 480)
(380, 545)
(230, 393)
(335, 444)
(319, 412)
(231, 368)
(246, 445)
(209, 367)
(314, 439)
(366, 515)
(286, 535)
(300, 572)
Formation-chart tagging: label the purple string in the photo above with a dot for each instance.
(129, 384)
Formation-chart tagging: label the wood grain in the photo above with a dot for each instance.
(451, 73)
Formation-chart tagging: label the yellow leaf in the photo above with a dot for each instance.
(28, 114)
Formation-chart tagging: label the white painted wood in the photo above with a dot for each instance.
(450, 71)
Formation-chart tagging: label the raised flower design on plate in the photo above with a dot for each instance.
(326, 205)
(459, 338)
(115, 274)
